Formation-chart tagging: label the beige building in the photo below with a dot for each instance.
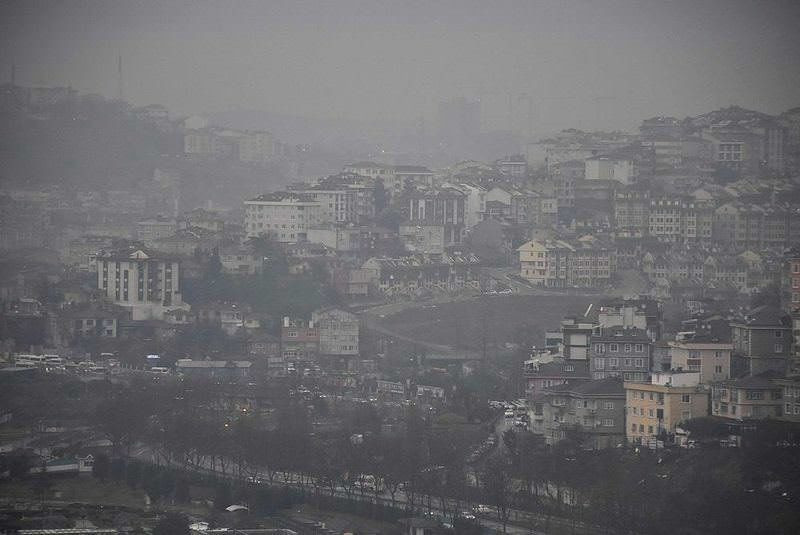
(596, 409)
(655, 409)
(750, 398)
(583, 263)
(282, 216)
(711, 359)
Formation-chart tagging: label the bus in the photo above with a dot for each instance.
(37, 360)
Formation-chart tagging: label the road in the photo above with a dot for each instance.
(147, 454)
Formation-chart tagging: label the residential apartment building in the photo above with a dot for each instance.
(299, 340)
(621, 352)
(475, 204)
(762, 340)
(631, 213)
(593, 409)
(343, 198)
(338, 336)
(145, 283)
(666, 219)
(522, 206)
(412, 274)
(422, 238)
(755, 397)
(282, 216)
(621, 168)
(542, 373)
(583, 263)
(445, 206)
(655, 409)
(790, 394)
(793, 279)
(711, 359)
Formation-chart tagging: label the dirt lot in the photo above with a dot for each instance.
(501, 319)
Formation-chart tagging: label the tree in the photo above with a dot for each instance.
(101, 468)
(498, 486)
(172, 524)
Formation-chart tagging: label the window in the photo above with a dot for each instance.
(613, 348)
(649, 429)
(627, 348)
(778, 348)
(639, 363)
(650, 413)
(599, 363)
(686, 398)
(754, 395)
(717, 369)
(638, 348)
(613, 362)
(600, 348)
(633, 428)
(608, 405)
(608, 422)
(778, 334)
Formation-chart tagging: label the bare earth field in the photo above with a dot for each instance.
(499, 319)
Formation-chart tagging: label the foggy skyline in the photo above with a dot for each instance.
(585, 64)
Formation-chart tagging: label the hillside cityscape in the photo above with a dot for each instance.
(266, 321)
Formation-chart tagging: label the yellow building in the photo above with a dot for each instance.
(654, 410)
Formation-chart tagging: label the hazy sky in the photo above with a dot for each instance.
(598, 63)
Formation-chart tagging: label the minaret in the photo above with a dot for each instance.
(120, 92)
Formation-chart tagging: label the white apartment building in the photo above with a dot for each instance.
(282, 216)
(141, 281)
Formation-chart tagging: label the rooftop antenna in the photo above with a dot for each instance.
(120, 93)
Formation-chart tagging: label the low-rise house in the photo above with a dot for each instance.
(186, 242)
(230, 317)
(754, 397)
(238, 260)
(91, 320)
(655, 409)
(264, 347)
(595, 409)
